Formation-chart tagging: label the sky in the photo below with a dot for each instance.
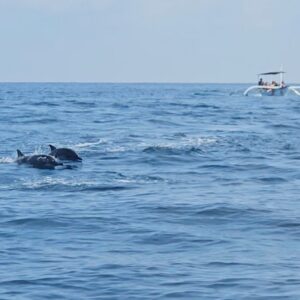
(209, 41)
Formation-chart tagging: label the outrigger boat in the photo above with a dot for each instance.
(274, 88)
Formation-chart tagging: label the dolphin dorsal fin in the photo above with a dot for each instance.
(52, 147)
(20, 154)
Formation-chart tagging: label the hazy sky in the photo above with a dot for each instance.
(148, 40)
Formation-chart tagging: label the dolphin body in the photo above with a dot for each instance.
(39, 161)
(64, 154)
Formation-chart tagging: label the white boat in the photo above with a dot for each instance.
(274, 88)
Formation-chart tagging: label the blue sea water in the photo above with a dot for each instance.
(186, 191)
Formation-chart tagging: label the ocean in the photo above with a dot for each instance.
(185, 191)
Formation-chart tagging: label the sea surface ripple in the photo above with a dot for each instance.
(186, 191)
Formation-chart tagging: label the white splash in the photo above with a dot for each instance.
(200, 141)
(50, 181)
(37, 150)
(116, 149)
(186, 142)
(7, 160)
(89, 144)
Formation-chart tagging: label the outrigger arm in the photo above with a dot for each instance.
(295, 89)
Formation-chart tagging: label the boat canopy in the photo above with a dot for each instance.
(272, 73)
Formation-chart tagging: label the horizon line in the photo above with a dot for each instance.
(129, 82)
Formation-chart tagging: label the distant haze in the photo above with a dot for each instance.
(148, 40)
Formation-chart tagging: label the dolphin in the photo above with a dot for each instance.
(40, 161)
(64, 153)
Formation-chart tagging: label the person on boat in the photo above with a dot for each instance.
(282, 84)
(260, 82)
(268, 87)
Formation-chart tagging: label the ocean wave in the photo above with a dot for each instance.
(211, 211)
(44, 103)
(36, 222)
(103, 188)
(290, 224)
(218, 181)
(228, 264)
(171, 150)
(227, 211)
(143, 179)
(208, 92)
(183, 145)
(161, 238)
(32, 120)
(49, 183)
(271, 180)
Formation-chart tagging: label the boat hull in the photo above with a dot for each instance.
(274, 92)
(267, 90)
